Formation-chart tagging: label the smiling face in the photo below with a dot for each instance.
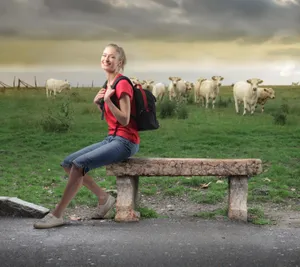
(110, 60)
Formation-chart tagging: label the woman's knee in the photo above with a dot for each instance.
(67, 169)
(69, 160)
(67, 163)
(82, 170)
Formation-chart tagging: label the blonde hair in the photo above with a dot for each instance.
(122, 55)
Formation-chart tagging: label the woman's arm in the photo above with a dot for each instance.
(123, 114)
(100, 95)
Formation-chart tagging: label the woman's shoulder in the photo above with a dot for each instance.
(124, 86)
(124, 80)
(124, 83)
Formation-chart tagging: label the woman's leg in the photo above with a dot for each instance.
(114, 150)
(89, 183)
(68, 161)
(87, 180)
(74, 183)
(117, 149)
(76, 180)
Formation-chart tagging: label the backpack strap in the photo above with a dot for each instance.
(101, 103)
(138, 86)
(122, 77)
(113, 86)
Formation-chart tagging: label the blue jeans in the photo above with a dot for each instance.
(111, 150)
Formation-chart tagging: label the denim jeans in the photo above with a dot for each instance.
(111, 150)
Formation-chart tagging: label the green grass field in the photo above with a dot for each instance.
(30, 154)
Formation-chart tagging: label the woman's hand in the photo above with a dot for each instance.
(109, 92)
(99, 95)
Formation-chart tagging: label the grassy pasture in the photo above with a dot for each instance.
(30, 156)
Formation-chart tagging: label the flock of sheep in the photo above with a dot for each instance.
(247, 92)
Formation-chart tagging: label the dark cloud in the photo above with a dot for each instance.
(167, 3)
(8, 32)
(240, 8)
(5, 6)
(87, 6)
(253, 18)
(185, 20)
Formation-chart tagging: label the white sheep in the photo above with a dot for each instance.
(159, 91)
(208, 89)
(178, 87)
(56, 86)
(246, 92)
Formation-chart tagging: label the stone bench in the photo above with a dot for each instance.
(236, 170)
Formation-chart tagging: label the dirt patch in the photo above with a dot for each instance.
(283, 216)
(176, 206)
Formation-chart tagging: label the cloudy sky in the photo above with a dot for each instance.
(237, 39)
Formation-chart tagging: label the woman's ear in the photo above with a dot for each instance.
(119, 66)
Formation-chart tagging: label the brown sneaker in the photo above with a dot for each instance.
(49, 221)
(102, 210)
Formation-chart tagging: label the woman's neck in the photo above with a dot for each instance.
(111, 77)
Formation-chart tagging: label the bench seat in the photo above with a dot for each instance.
(127, 173)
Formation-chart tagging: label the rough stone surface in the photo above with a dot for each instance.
(127, 187)
(237, 198)
(185, 167)
(13, 206)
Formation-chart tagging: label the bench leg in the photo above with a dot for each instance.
(237, 197)
(127, 187)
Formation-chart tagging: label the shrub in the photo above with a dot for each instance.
(58, 118)
(191, 97)
(167, 108)
(280, 118)
(222, 103)
(285, 108)
(182, 111)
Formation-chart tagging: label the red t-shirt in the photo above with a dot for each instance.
(130, 131)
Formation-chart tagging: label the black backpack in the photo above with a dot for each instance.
(145, 115)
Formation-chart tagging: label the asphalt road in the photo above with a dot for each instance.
(155, 242)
